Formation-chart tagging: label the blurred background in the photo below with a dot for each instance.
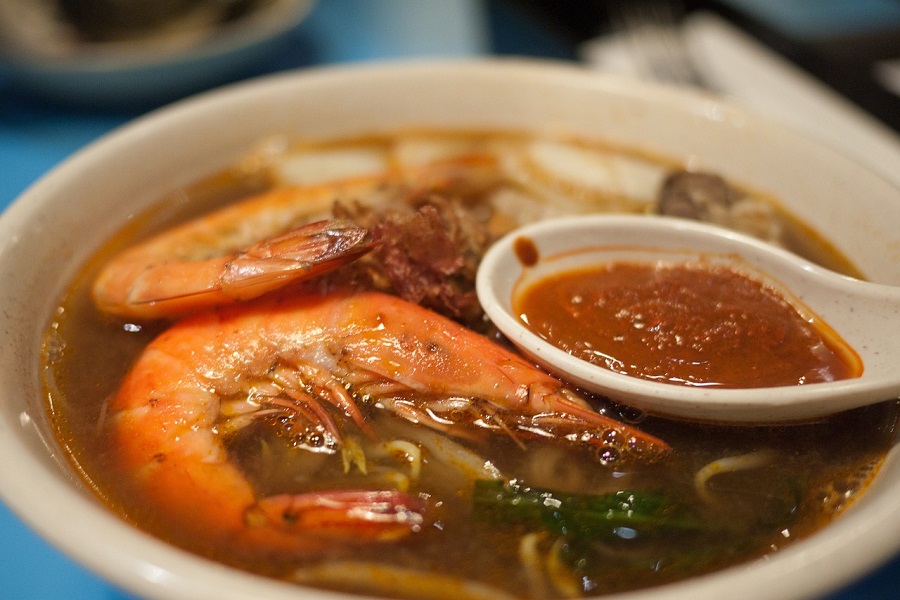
(850, 45)
(73, 70)
(82, 67)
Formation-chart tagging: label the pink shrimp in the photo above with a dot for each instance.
(321, 360)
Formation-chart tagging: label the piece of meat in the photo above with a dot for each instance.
(710, 198)
(695, 195)
(427, 252)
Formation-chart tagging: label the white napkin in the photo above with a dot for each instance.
(748, 74)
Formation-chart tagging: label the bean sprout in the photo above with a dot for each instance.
(402, 449)
(729, 464)
(353, 455)
(533, 563)
(395, 581)
(562, 577)
(455, 455)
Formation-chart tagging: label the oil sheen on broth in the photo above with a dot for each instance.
(615, 525)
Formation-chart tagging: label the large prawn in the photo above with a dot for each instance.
(237, 253)
(323, 361)
(258, 245)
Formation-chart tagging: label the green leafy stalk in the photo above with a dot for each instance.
(582, 516)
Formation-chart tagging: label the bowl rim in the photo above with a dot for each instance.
(152, 568)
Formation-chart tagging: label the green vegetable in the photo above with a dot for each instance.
(608, 540)
(580, 516)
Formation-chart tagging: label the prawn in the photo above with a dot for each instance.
(154, 279)
(318, 359)
(252, 247)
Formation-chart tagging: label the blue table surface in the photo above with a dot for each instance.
(35, 136)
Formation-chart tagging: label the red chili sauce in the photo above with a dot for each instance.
(685, 325)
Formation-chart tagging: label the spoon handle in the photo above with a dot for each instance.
(866, 315)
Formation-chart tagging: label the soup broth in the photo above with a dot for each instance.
(508, 514)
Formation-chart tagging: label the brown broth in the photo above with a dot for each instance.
(811, 472)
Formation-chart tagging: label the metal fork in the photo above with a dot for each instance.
(652, 32)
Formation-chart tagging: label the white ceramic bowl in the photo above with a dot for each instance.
(55, 225)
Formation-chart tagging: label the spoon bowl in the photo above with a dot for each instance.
(865, 315)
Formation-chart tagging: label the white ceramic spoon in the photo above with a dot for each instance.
(865, 315)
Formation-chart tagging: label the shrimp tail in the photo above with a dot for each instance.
(348, 515)
(301, 253)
